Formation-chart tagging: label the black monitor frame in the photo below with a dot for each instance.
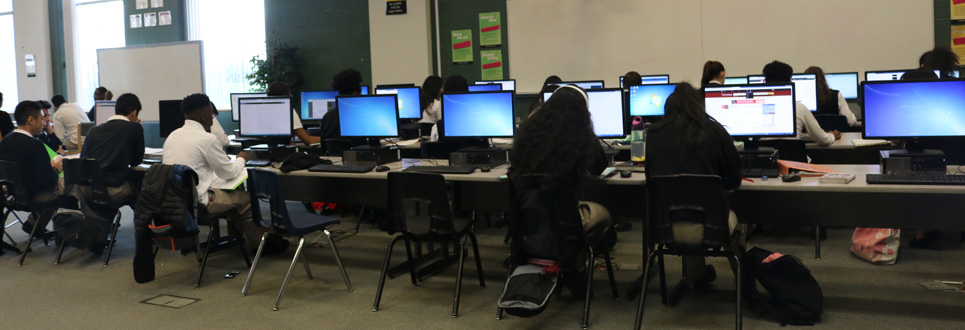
(391, 86)
(884, 71)
(395, 101)
(488, 82)
(911, 139)
(235, 116)
(166, 127)
(625, 112)
(442, 118)
(751, 140)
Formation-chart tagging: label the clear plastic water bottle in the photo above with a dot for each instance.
(638, 143)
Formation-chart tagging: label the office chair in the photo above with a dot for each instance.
(788, 149)
(832, 122)
(15, 195)
(86, 174)
(335, 147)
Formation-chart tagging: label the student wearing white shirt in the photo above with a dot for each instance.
(830, 101)
(192, 146)
(714, 74)
(779, 72)
(66, 118)
(431, 94)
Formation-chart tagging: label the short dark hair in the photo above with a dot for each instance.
(777, 72)
(1, 99)
(347, 82)
(279, 88)
(456, 83)
(100, 90)
(126, 104)
(43, 104)
(58, 99)
(194, 102)
(632, 78)
(26, 109)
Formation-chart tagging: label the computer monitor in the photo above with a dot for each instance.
(844, 82)
(234, 102)
(410, 100)
(508, 85)
(365, 89)
(478, 114)
(753, 110)
(912, 109)
(370, 116)
(805, 89)
(589, 84)
(607, 111)
(170, 116)
(955, 74)
(104, 110)
(742, 80)
(266, 117)
(485, 87)
(650, 79)
(391, 86)
(649, 100)
(316, 103)
(883, 75)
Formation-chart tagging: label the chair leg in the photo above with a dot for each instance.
(609, 272)
(254, 264)
(338, 260)
(284, 284)
(739, 280)
(643, 296)
(60, 251)
(475, 252)
(455, 299)
(589, 287)
(499, 311)
(113, 239)
(239, 239)
(204, 258)
(663, 279)
(27, 249)
(411, 262)
(385, 271)
(308, 270)
(817, 243)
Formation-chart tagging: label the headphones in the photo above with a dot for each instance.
(585, 98)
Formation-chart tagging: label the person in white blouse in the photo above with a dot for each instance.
(431, 93)
(192, 146)
(780, 72)
(714, 74)
(830, 101)
(66, 118)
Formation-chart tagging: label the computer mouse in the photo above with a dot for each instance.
(791, 178)
(626, 174)
(485, 169)
(381, 168)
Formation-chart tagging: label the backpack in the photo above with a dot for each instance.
(876, 245)
(793, 296)
(528, 289)
(80, 224)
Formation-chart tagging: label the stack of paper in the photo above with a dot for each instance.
(153, 151)
(866, 143)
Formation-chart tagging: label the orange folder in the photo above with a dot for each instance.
(803, 169)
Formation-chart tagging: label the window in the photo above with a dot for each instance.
(97, 24)
(8, 58)
(233, 31)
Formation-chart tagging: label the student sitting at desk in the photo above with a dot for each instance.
(100, 94)
(688, 141)
(830, 101)
(780, 72)
(6, 125)
(546, 87)
(454, 83)
(47, 135)
(347, 82)
(942, 59)
(431, 94)
(118, 145)
(66, 118)
(217, 129)
(279, 88)
(714, 74)
(631, 78)
(37, 170)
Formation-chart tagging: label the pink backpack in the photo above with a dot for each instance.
(876, 245)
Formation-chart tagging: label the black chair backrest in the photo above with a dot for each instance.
(14, 189)
(418, 203)
(545, 218)
(264, 186)
(832, 122)
(434, 150)
(788, 149)
(86, 172)
(335, 147)
(687, 198)
(425, 129)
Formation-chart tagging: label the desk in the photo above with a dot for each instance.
(844, 152)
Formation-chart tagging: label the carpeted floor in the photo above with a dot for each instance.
(81, 294)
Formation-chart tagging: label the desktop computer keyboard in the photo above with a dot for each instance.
(760, 172)
(258, 163)
(442, 169)
(342, 168)
(936, 179)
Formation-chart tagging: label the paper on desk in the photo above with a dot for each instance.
(407, 142)
(232, 184)
(866, 143)
(153, 151)
(503, 141)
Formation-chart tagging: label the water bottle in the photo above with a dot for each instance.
(638, 142)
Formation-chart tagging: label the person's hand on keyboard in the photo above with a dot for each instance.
(243, 155)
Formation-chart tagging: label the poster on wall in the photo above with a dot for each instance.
(395, 7)
(150, 19)
(958, 40)
(492, 64)
(31, 65)
(461, 46)
(164, 18)
(490, 31)
(140, 4)
(157, 3)
(958, 9)
(135, 21)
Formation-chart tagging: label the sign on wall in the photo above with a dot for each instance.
(395, 7)
(461, 46)
(490, 29)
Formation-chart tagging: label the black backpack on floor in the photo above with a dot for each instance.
(793, 296)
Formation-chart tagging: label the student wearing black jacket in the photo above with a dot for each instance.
(688, 141)
(47, 135)
(37, 170)
(6, 125)
(118, 145)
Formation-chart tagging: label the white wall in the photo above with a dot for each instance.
(32, 36)
(584, 39)
(400, 44)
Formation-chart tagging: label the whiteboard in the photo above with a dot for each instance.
(168, 71)
(586, 39)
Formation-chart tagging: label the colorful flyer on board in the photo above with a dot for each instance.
(958, 40)
(958, 9)
(492, 64)
(490, 29)
(461, 46)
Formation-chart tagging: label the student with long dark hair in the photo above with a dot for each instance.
(688, 141)
(549, 84)
(714, 74)
(780, 72)
(830, 101)
(454, 83)
(431, 92)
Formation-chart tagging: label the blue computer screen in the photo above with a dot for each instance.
(846, 83)
(365, 90)
(410, 105)
(649, 100)
(485, 87)
(484, 114)
(316, 104)
(368, 116)
(914, 109)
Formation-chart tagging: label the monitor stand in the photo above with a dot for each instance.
(752, 147)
